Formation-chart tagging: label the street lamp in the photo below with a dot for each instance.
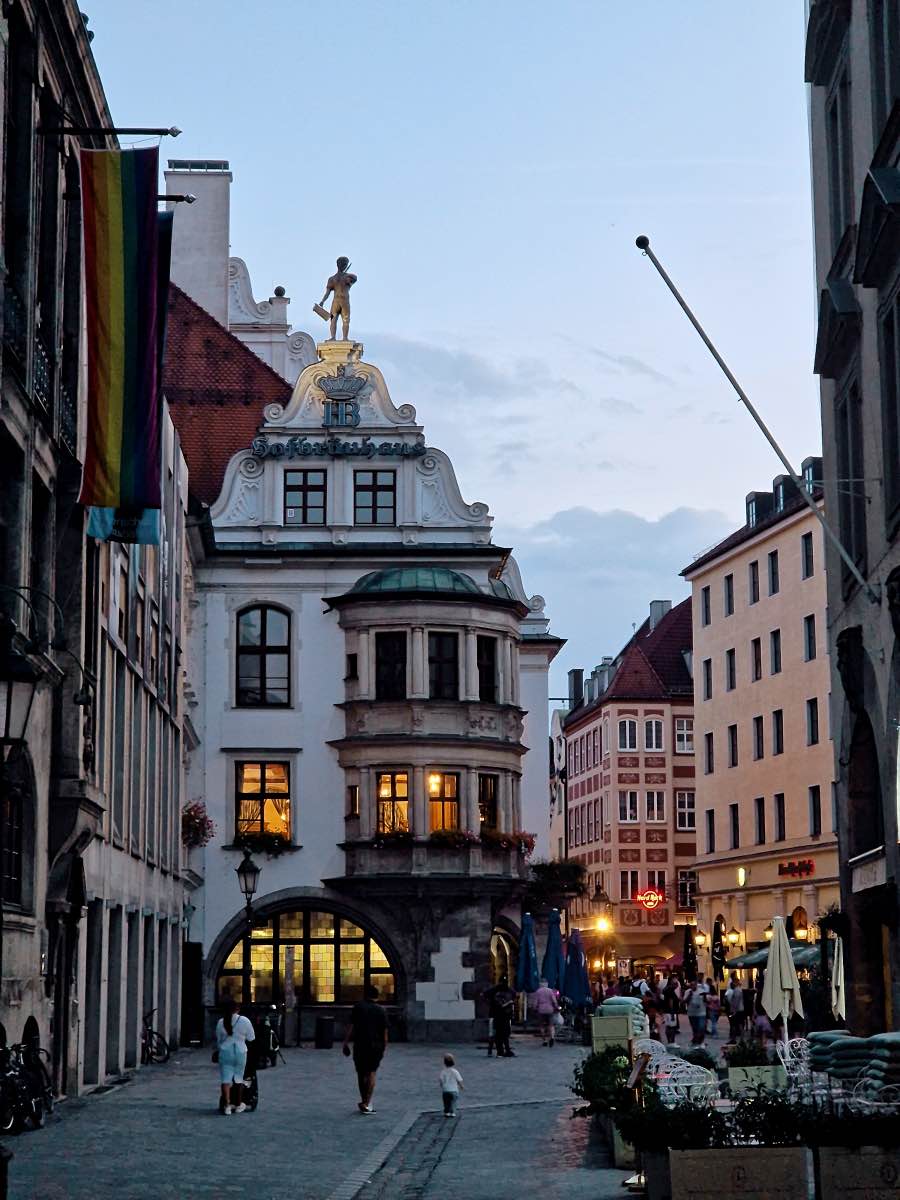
(733, 936)
(768, 931)
(248, 877)
(699, 939)
(604, 924)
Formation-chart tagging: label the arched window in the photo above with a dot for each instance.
(263, 658)
(303, 957)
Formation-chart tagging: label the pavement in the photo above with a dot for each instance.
(160, 1135)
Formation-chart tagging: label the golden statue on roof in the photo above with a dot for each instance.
(338, 286)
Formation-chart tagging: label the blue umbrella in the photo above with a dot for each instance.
(527, 969)
(576, 986)
(554, 965)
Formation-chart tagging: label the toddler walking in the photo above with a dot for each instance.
(451, 1082)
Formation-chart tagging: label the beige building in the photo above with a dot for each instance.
(629, 793)
(765, 824)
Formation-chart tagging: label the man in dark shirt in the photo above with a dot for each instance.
(369, 1034)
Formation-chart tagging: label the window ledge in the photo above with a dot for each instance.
(288, 849)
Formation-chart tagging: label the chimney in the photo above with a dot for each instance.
(200, 233)
(658, 609)
(603, 673)
(576, 688)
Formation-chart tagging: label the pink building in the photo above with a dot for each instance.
(631, 806)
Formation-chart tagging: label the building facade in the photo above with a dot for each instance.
(766, 839)
(853, 68)
(370, 694)
(630, 793)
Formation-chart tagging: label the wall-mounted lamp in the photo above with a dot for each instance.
(741, 876)
(699, 939)
(733, 936)
(768, 931)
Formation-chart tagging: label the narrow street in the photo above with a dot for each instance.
(160, 1135)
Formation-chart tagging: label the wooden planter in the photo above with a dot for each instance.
(749, 1079)
(868, 1173)
(748, 1172)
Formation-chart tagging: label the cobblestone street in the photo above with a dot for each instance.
(160, 1135)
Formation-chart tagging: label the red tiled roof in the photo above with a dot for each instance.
(651, 665)
(217, 389)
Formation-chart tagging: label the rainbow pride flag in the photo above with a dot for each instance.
(122, 290)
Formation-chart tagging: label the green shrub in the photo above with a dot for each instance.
(746, 1052)
(600, 1080)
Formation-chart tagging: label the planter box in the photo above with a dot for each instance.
(748, 1172)
(610, 1031)
(748, 1079)
(869, 1173)
(657, 1174)
(622, 1153)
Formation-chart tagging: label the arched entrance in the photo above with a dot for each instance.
(503, 959)
(306, 955)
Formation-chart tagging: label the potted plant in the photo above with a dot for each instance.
(453, 839)
(394, 837)
(749, 1067)
(262, 842)
(196, 826)
(857, 1153)
(600, 1080)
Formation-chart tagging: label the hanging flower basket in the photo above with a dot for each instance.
(196, 826)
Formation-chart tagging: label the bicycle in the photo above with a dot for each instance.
(30, 1056)
(154, 1047)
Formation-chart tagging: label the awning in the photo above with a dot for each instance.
(803, 954)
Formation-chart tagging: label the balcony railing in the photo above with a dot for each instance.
(15, 325)
(68, 420)
(42, 378)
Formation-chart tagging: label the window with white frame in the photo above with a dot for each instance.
(628, 807)
(627, 734)
(653, 734)
(684, 735)
(687, 890)
(590, 821)
(595, 739)
(685, 810)
(656, 806)
(628, 885)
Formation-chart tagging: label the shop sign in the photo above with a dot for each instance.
(650, 899)
(334, 447)
(803, 866)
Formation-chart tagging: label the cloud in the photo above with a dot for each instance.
(629, 365)
(598, 572)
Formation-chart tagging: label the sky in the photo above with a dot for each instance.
(487, 167)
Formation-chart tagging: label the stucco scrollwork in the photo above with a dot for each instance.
(302, 349)
(251, 468)
(240, 294)
(273, 413)
(407, 412)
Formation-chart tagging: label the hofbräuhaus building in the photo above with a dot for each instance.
(370, 695)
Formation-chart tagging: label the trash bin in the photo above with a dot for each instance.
(324, 1033)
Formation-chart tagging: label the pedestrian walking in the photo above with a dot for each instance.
(713, 1011)
(734, 1005)
(695, 1005)
(368, 1031)
(451, 1085)
(502, 1001)
(233, 1032)
(671, 1006)
(546, 1006)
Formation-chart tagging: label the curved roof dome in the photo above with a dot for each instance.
(417, 579)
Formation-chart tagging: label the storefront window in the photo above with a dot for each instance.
(305, 957)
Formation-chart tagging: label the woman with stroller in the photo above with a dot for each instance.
(233, 1032)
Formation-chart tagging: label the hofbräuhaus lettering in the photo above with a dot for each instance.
(334, 447)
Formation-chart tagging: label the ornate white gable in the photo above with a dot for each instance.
(340, 419)
(262, 325)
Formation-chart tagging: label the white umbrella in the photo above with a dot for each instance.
(781, 987)
(838, 986)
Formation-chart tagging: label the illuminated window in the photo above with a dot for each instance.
(393, 802)
(305, 957)
(263, 798)
(443, 800)
(487, 800)
(263, 676)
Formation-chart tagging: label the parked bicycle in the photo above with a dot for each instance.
(154, 1047)
(26, 1090)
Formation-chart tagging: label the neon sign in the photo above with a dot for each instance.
(650, 899)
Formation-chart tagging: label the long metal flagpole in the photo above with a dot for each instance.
(873, 591)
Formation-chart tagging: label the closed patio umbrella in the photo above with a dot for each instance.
(576, 986)
(554, 965)
(689, 954)
(781, 987)
(838, 984)
(526, 969)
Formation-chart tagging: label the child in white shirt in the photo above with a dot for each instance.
(451, 1083)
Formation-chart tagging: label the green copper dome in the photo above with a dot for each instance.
(416, 579)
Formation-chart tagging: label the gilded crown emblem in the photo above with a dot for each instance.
(341, 386)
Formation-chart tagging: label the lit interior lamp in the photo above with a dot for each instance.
(597, 964)
(741, 876)
(384, 787)
(603, 924)
(434, 784)
(610, 964)
(768, 931)
(802, 933)
(733, 936)
(699, 939)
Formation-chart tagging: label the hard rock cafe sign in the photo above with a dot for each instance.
(650, 899)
